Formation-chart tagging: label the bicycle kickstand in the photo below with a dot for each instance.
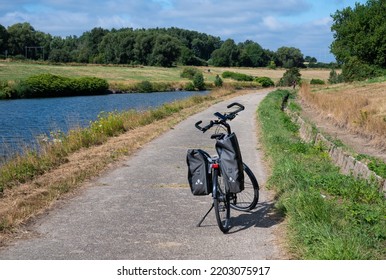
(199, 224)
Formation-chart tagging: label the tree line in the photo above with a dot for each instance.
(156, 47)
(359, 45)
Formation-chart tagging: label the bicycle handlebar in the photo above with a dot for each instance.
(222, 118)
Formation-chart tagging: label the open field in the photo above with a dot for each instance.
(121, 74)
(359, 107)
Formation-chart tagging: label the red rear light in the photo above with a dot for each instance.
(215, 165)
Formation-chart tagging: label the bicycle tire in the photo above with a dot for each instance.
(221, 203)
(248, 198)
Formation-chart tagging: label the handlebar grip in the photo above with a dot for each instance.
(205, 128)
(197, 125)
(241, 107)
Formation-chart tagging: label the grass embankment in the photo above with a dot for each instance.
(30, 183)
(330, 215)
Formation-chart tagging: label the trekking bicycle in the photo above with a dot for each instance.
(231, 181)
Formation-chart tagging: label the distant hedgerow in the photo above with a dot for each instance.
(237, 76)
(48, 85)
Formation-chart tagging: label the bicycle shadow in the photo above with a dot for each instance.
(264, 215)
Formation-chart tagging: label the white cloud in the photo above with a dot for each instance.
(273, 24)
(115, 21)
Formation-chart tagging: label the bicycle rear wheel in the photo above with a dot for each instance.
(248, 198)
(221, 202)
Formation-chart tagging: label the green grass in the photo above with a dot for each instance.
(375, 164)
(330, 215)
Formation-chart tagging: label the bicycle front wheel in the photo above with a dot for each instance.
(222, 210)
(248, 198)
(221, 203)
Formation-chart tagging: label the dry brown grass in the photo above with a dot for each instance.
(359, 107)
(307, 74)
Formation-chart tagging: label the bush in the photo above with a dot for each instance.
(198, 81)
(237, 76)
(189, 73)
(6, 90)
(272, 65)
(144, 86)
(317, 82)
(189, 87)
(48, 85)
(335, 78)
(265, 81)
(218, 81)
(356, 70)
(290, 76)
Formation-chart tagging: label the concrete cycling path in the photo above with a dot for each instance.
(144, 209)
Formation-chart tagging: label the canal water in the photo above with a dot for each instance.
(22, 121)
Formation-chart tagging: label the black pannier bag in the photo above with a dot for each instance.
(231, 163)
(199, 172)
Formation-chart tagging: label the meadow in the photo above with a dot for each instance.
(12, 71)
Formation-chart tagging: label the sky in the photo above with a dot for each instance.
(303, 24)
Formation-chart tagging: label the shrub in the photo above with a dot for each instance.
(272, 65)
(218, 81)
(198, 81)
(6, 90)
(189, 87)
(145, 86)
(189, 73)
(265, 81)
(48, 85)
(356, 70)
(289, 77)
(237, 76)
(335, 78)
(317, 82)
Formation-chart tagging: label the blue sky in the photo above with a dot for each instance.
(304, 24)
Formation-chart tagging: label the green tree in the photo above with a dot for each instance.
(361, 33)
(252, 55)
(21, 35)
(143, 47)
(227, 55)
(289, 57)
(89, 42)
(3, 39)
(166, 51)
